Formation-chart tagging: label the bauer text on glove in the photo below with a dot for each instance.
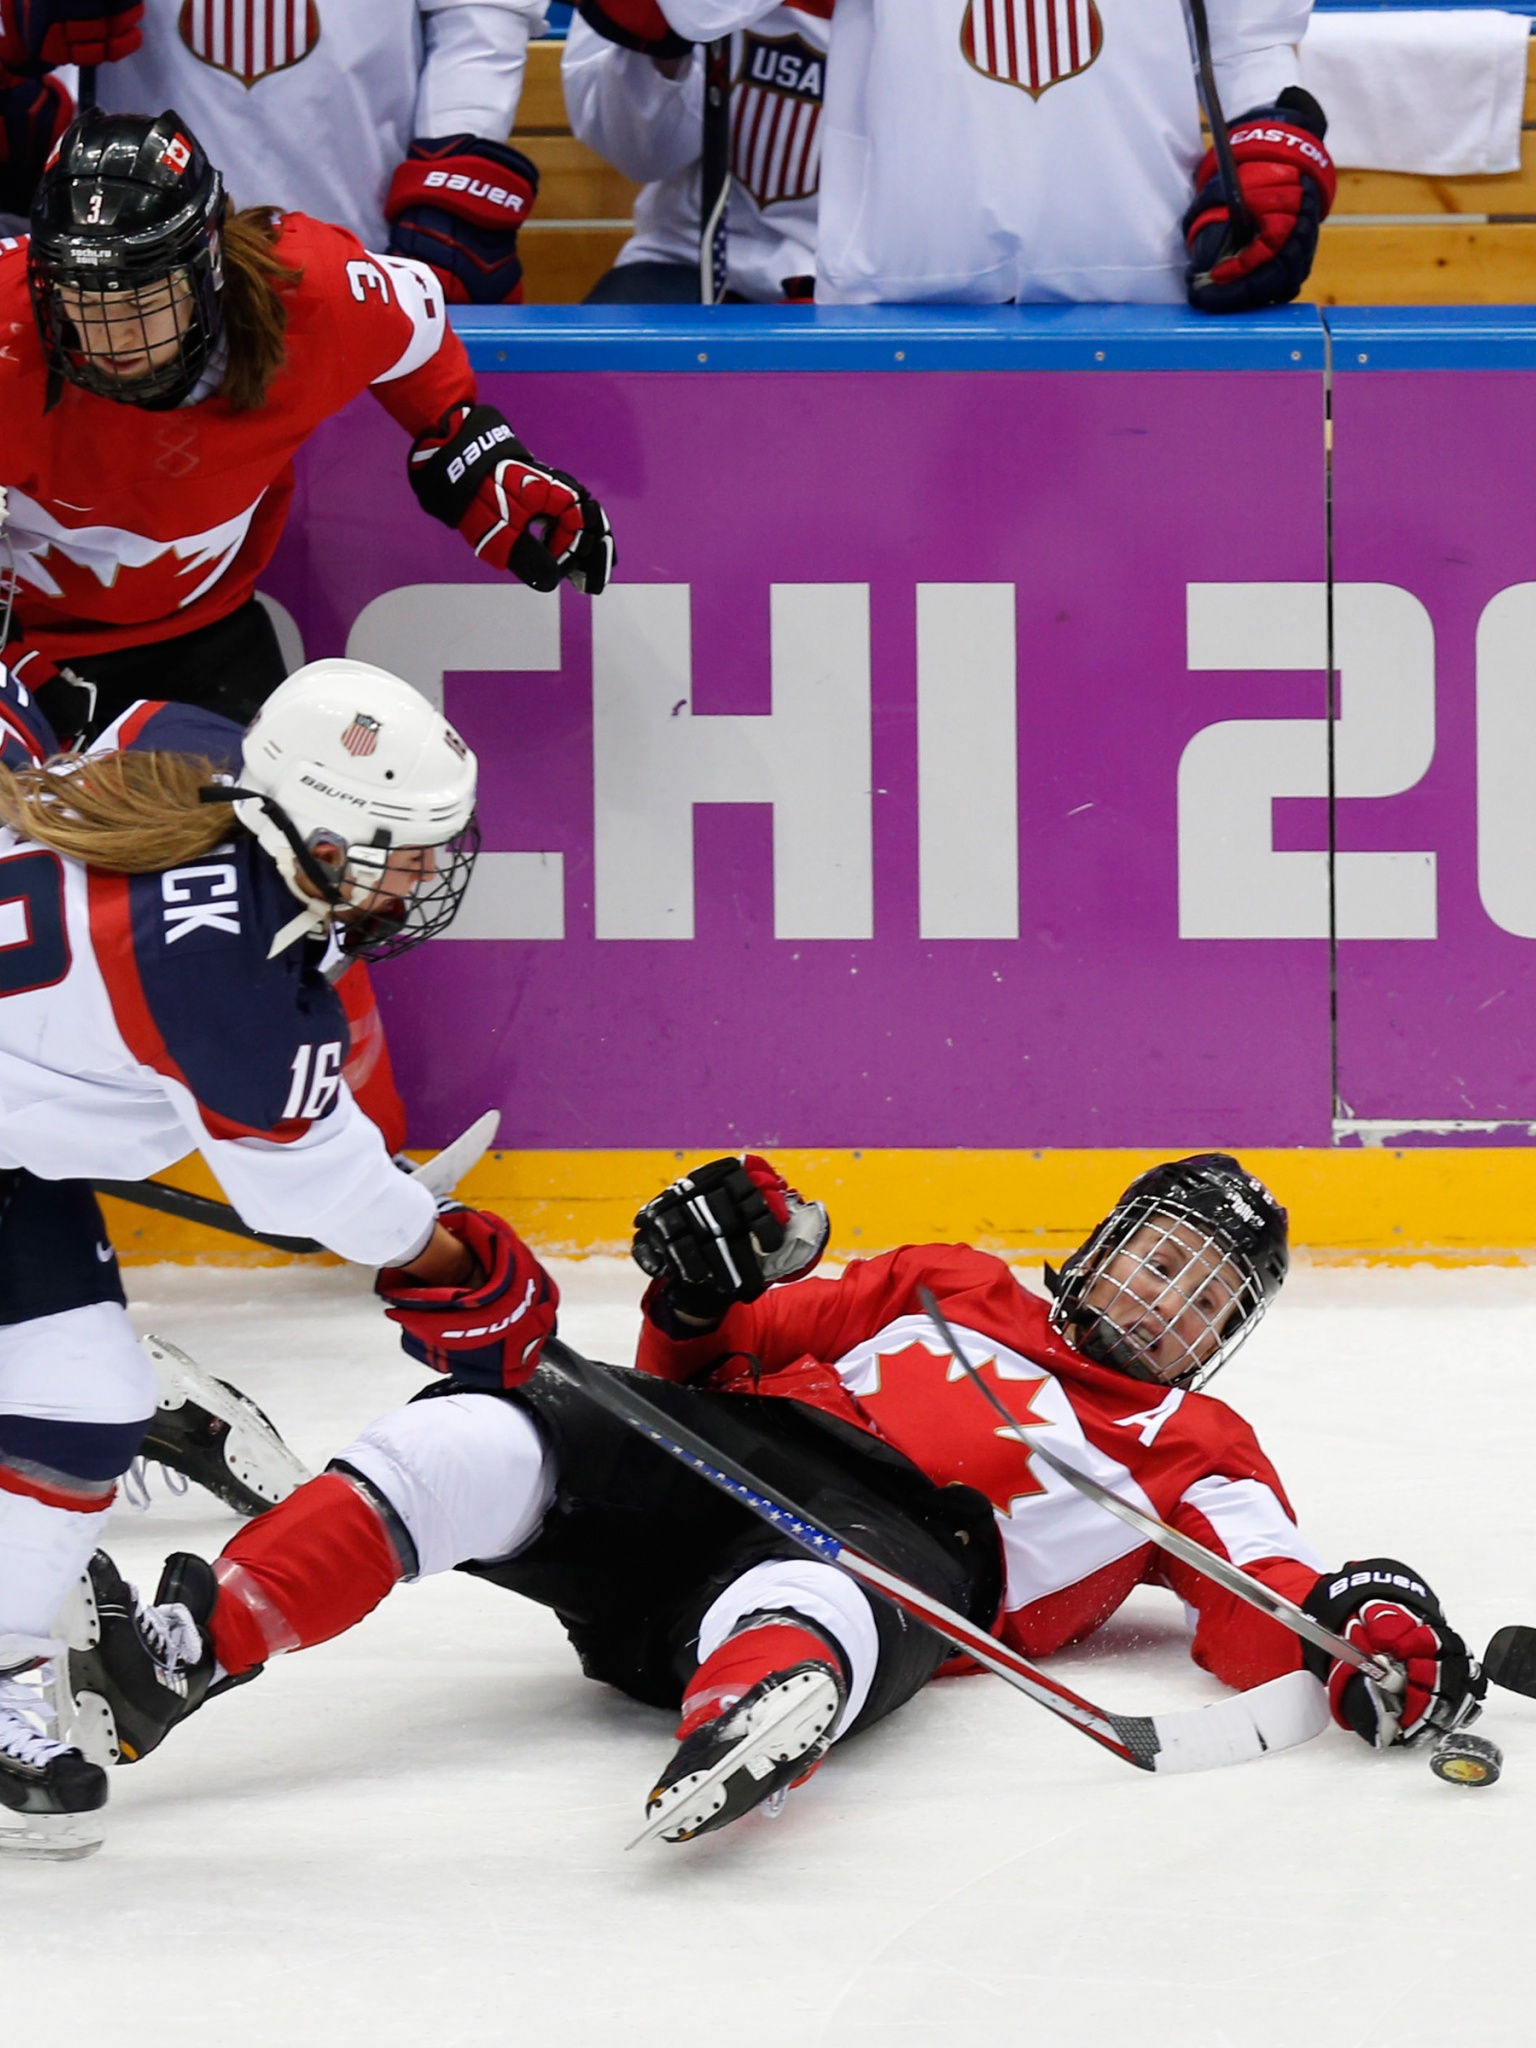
(489, 1332)
(1386, 1610)
(471, 472)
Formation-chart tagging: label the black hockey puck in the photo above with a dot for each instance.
(1466, 1760)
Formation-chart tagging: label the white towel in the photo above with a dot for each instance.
(1441, 94)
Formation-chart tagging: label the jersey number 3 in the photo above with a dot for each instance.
(34, 939)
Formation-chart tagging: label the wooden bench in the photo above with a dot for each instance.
(1393, 240)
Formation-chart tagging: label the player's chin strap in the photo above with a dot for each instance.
(315, 914)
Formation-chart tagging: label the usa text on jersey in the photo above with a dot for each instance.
(776, 118)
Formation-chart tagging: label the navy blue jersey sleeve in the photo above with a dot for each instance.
(151, 727)
(26, 737)
(260, 1043)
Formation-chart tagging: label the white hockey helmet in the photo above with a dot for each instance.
(342, 768)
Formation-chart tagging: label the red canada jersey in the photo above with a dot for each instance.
(862, 1348)
(129, 526)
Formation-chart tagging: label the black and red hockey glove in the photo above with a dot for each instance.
(35, 35)
(471, 472)
(1386, 1610)
(727, 1232)
(634, 25)
(33, 115)
(488, 1333)
(1288, 182)
(457, 203)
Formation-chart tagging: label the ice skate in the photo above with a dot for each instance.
(753, 1751)
(51, 1795)
(135, 1671)
(216, 1436)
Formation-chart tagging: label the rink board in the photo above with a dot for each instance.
(849, 817)
(945, 793)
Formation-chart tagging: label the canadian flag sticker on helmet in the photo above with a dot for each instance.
(362, 735)
(177, 153)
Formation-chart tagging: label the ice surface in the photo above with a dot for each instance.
(413, 1835)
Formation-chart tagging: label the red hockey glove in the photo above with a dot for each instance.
(37, 34)
(457, 203)
(471, 471)
(1386, 1610)
(488, 1333)
(634, 25)
(727, 1232)
(1288, 182)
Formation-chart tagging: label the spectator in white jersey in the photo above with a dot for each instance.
(645, 114)
(403, 107)
(1044, 150)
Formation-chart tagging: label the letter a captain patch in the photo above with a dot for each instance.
(250, 38)
(1033, 44)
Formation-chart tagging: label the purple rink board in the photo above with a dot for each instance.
(934, 899)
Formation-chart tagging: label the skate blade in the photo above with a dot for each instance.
(795, 1724)
(50, 1837)
(255, 1456)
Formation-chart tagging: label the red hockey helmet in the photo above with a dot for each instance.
(1178, 1274)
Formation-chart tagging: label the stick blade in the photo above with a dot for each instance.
(1280, 1715)
(1510, 1660)
(441, 1174)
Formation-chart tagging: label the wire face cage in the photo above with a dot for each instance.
(1161, 1294)
(383, 925)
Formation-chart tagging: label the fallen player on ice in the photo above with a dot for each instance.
(844, 1396)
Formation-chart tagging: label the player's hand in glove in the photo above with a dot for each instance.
(1387, 1611)
(35, 35)
(1288, 180)
(471, 472)
(725, 1233)
(457, 203)
(634, 25)
(489, 1331)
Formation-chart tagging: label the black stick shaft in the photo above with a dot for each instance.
(715, 172)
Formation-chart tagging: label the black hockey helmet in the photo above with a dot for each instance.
(1178, 1273)
(125, 229)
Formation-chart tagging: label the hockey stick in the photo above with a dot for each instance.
(1389, 1676)
(715, 172)
(1241, 225)
(439, 1175)
(1510, 1659)
(86, 95)
(1279, 1715)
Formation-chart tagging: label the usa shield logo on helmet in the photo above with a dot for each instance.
(250, 39)
(362, 735)
(1033, 44)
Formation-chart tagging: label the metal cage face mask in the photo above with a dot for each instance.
(139, 342)
(1159, 1294)
(394, 925)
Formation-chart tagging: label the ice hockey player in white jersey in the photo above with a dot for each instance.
(839, 1395)
(645, 115)
(163, 988)
(390, 117)
(989, 151)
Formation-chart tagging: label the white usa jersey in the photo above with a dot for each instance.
(650, 127)
(143, 1016)
(985, 151)
(310, 104)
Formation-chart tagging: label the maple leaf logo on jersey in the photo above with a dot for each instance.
(250, 39)
(1033, 44)
(949, 1429)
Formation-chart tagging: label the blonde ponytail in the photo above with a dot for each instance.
(129, 814)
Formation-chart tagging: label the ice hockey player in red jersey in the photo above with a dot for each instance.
(165, 360)
(164, 987)
(840, 1394)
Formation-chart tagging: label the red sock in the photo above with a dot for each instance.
(744, 1660)
(301, 1573)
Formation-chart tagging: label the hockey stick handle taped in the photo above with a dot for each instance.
(1220, 1569)
(616, 1392)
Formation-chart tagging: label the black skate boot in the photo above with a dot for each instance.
(50, 1794)
(145, 1668)
(216, 1436)
(750, 1754)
